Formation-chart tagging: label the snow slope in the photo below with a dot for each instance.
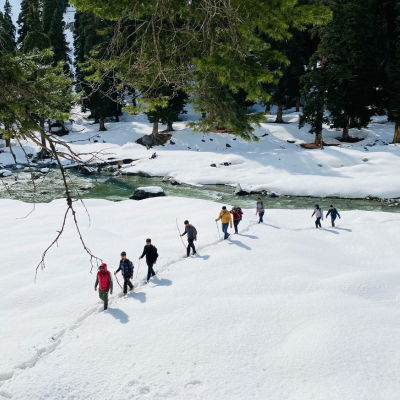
(281, 311)
(271, 164)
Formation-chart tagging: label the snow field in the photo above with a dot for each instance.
(281, 311)
(271, 164)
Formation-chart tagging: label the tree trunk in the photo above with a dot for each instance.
(352, 122)
(96, 119)
(41, 122)
(155, 129)
(170, 128)
(102, 127)
(268, 108)
(49, 124)
(63, 130)
(345, 136)
(396, 137)
(8, 142)
(116, 117)
(298, 104)
(279, 119)
(203, 115)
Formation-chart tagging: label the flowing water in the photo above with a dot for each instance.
(50, 186)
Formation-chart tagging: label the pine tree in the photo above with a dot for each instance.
(391, 18)
(99, 97)
(348, 82)
(220, 41)
(49, 6)
(169, 113)
(8, 30)
(22, 22)
(35, 38)
(57, 37)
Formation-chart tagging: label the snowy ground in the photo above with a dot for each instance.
(281, 311)
(272, 164)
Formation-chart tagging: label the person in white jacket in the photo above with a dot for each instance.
(319, 214)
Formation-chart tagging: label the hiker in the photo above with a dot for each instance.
(333, 213)
(191, 232)
(151, 257)
(319, 214)
(260, 210)
(237, 217)
(226, 219)
(126, 267)
(104, 280)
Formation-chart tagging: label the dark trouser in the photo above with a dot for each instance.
(333, 220)
(190, 245)
(235, 224)
(127, 283)
(150, 271)
(318, 222)
(103, 294)
(261, 215)
(225, 230)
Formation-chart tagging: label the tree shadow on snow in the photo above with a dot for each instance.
(240, 244)
(161, 282)
(344, 229)
(119, 314)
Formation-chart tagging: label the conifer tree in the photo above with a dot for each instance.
(344, 73)
(220, 41)
(169, 113)
(7, 34)
(392, 37)
(57, 37)
(100, 97)
(22, 22)
(49, 6)
(35, 38)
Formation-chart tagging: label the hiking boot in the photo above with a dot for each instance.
(124, 294)
(133, 287)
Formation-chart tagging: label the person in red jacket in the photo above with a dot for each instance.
(237, 217)
(104, 280)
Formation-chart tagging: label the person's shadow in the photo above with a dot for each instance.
(344, 229)
(273, 226)
(141, 296)
(249, 236)
(328, 230)
(119, 314)
(240, 244)
(205, 258)
(160, 282)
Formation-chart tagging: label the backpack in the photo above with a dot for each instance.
(238, 209)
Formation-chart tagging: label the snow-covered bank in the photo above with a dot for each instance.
(369, 167)
(282, 311)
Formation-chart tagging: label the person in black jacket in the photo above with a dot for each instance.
(333, 213)
(151, 254)
(126, 268)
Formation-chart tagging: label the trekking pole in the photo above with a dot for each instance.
(137, 269)
(117, 279)
(180, 233)
(218, 229)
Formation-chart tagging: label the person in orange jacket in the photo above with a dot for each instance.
(226, 219)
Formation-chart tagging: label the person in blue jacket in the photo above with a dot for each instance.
(126, 268)
(333, 213)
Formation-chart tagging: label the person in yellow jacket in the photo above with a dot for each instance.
(226, 219)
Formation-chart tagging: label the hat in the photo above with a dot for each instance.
(148, 240)
(103, 265)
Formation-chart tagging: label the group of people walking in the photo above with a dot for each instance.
(104, 279)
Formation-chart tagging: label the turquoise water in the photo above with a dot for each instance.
(120, 188)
